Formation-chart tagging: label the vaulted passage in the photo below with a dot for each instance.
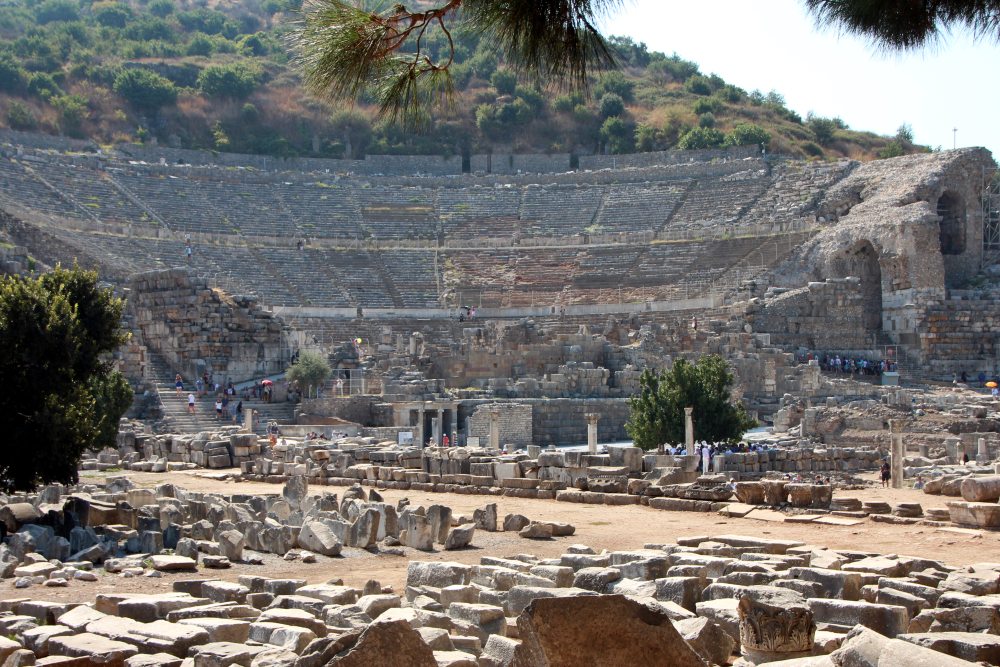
(861, 261)
(952, 213)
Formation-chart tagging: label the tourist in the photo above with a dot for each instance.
(919, 484)
(218, 408)
(445, 440)
(239, 412)
(187, 253)
(995, 392)
(965, 458)
(178, 384)
(886, 473)
(706, 456)
(982, 379)
(191, 403)
(200, 386)
(225, 407)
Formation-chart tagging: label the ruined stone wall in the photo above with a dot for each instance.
(509, 163)
(960, 334)
(515, 424)
(198, 329)
(827, 315)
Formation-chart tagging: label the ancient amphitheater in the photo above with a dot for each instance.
(506, 303)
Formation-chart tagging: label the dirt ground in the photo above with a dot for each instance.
(598, 526)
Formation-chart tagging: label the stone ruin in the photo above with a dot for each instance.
(722, 599)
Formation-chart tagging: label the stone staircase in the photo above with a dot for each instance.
(175, 407)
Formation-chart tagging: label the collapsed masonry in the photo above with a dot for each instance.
(702, 600)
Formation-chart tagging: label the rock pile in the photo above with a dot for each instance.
(703, 600)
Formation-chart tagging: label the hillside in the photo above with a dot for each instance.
(218, 75)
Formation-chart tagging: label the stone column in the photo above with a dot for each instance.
(592, 418)
(689, 430)
(248, 417)
(897, 454)
(494, 427)
(420, 435)
(436, 423)
(982, 453)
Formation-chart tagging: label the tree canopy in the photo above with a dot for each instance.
(904, 24)
(657, 413)
(348, 48)
(310, 370)
(62, 395)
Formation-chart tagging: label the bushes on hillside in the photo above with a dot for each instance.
(236, 81)
(145, 90)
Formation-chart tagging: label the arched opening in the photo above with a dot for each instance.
(952, 212)
(861, 261)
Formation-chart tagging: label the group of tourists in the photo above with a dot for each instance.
(855, 366)
(224, 410)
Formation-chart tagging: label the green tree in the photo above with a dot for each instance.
(145, 90)
(63, 395)
(701, 137)
(903, 24)
(112, 14)
(746, 134)
(72, 113)
(824, 129)
(12, 77)
(345, 48)
(904, 135)
(611, 105)
(310, 371)
(657, 413)
(505, 81)
(618, 136)
(236, 80)
(20, 117)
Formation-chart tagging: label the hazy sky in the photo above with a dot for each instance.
(774, 44)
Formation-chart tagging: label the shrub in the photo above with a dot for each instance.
(112, 14)
(701, 137)
(72, 112)
(20, 117)
(505, 81)
(56, 10)
(823, 129)
(161, 8)
(698, 85)
(12, 77)
(145, 90)
(706, 105)
(615, 82)
(200, 45)
(706, 120)
(745, 134)
(610, 105)
(235, 81)
(41, 84)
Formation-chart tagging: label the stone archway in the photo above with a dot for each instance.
(952, 225)
(861, 261)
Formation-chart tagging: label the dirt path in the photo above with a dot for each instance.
(601, 527)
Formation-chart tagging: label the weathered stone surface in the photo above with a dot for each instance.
(981, 489)
(389, 643)
(600, 630)
(775, 624)
(976, 515)
(318, 537)
(707, 638)
(971, 646)
(460, 537)
(173, 563)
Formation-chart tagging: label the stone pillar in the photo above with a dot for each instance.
(592, 418)
(982, 453)
(494, 427)
(436, 429)
(419, 430)
(248, 417)
(897, 454)
(689, 430)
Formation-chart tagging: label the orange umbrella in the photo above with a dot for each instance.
(991, 384)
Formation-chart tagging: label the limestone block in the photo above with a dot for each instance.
(981, 489)
(977, 515)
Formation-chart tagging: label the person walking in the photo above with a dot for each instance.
(178, 384)
(191, 403)
(886, 473)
